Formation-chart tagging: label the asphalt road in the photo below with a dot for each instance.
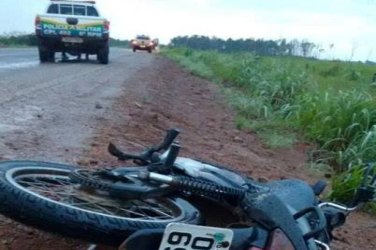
(17, 58)
(48, 110)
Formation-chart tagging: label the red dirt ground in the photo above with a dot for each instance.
(165, 97)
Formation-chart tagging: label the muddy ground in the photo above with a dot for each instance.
(164, 96)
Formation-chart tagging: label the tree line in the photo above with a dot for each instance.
(280, 47)
(18, 39)
(22, 39)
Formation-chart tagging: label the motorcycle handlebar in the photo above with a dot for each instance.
(148, 155)
(168, 140)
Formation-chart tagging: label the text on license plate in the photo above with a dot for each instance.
(178, 236)
(72, 39)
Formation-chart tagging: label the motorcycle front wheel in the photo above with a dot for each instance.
(41, 194)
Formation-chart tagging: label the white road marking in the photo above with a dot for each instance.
(18, 65)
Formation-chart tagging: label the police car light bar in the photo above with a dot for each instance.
(74, 1)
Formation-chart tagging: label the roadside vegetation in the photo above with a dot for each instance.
(16, 39)
(119, 43)
(286, 99)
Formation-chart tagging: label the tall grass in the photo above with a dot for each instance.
(342, 123)
(330, 103)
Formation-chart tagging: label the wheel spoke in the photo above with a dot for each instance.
(102, 209)
(158, 211)
(58, 187)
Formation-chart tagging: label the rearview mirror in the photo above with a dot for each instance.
(367, 188)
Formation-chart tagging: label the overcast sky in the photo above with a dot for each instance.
(348, 24)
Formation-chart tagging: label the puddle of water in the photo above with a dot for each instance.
(19, 65)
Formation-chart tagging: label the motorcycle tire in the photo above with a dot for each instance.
(41, 194)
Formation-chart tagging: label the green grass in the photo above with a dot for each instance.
(344, 185)
(330, 103)
(261, 96)
(17, 40)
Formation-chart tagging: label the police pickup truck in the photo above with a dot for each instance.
(72, 27)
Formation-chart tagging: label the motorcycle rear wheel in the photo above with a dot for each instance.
(41, 194)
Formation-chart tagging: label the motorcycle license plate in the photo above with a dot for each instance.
(72, 39)
(178, 236)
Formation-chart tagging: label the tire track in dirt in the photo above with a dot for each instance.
(48, 112)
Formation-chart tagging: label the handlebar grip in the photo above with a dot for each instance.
(172, 154)
(113, 150)
(169, 139)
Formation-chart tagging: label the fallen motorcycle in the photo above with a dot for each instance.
(168, 202)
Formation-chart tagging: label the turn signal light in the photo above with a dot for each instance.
(37, 21)
(106, 25)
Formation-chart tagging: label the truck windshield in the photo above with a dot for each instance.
(79, 10)
(53, 9)
(143, 37)
(69, 9)
(66, 9)
(91, 11)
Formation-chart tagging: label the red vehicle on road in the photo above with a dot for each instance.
(143, 42)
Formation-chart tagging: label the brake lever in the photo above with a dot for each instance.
(146, 157)
(172, 155)
(366, 192)
(168, 140)
(138, 159)
(114, 151)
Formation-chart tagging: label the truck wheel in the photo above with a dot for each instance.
(51, 56)
(44, 54)
(149, 50)
(43, 195)
(134, 50)
(102, 55)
